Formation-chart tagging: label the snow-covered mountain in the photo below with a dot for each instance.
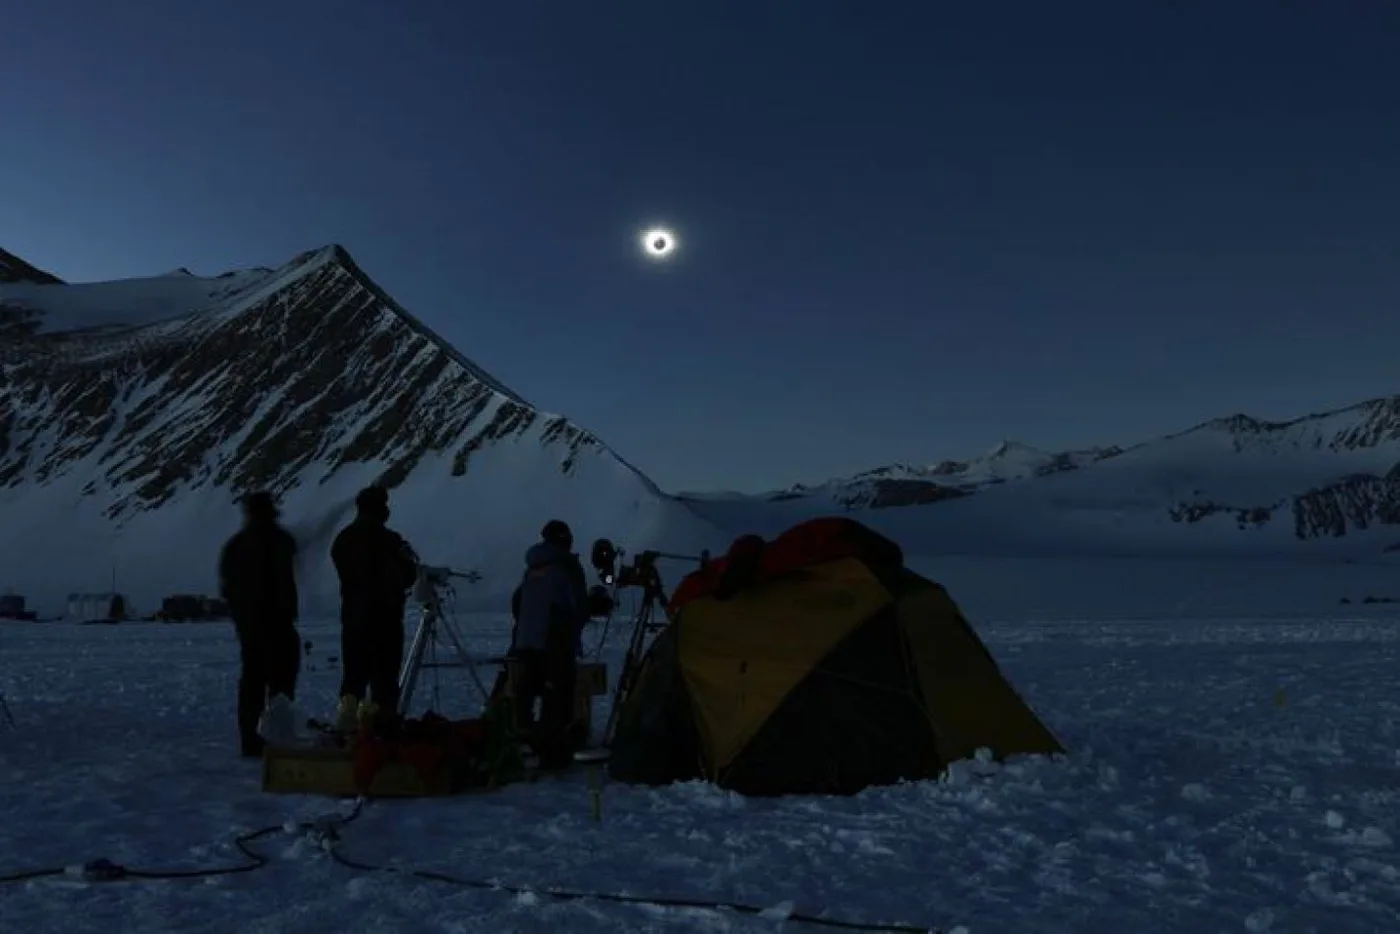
(913, 485)
(134, 412)
(1234, 483)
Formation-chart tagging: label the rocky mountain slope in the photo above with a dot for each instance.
(133, 413)
(912, 485)
(1230, 483)
(14, 269)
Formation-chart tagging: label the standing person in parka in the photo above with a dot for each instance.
(551, 612)
(257, 581)
(377, 568)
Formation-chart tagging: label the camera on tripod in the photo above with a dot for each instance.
(431, 590)
(432, 580)
(640, 573)
(439, 576)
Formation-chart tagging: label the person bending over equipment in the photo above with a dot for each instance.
(257, 581)
(377, 569)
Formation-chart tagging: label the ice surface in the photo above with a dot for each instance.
(1178, 809)
(135, 303)
(126, 303)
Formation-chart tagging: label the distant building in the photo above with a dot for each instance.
(12, 607)
(184, 607)
(91, 606)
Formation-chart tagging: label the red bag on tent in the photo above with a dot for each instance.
(429, 745)
(751, 560)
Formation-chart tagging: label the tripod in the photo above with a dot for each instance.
(428, 590)
(644, 622)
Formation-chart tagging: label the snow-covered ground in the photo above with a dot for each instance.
(1226, 774)
(129, 303)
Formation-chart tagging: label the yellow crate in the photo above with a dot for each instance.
(332, 772)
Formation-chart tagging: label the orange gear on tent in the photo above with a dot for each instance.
(809, 543)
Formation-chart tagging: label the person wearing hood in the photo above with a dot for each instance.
(257, 581)
(377, 569)
(551, 608)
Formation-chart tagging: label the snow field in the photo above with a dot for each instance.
(1225, 775)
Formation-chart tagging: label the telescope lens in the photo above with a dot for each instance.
(604, 555)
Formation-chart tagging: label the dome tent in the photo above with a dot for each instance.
(815, 664)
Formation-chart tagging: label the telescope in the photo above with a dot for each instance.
(434, 584)
(434, 578)
(641, 572)
(437, 576)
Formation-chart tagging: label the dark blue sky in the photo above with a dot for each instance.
(910, 228)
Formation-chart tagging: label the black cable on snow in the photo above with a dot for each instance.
(326, 830)
(104, 870)
(27, 874)
(660, 902)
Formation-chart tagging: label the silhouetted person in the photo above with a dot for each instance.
(551, 608)
(257, 581)
(377, 568)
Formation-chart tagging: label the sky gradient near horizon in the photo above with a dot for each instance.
(909, 229)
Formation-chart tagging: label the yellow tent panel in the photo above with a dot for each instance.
(742, 656)
(969, 703)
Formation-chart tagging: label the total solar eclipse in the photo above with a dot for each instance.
(658, 243)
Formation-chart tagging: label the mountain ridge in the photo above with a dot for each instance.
(14, 269)
(1382, 415)
(138, 402)
(341, 255)
(121, 339)
(133, 412)
(1328, 475)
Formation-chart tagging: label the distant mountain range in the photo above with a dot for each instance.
(913, 485)
(134, 412)
(1328, 476)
